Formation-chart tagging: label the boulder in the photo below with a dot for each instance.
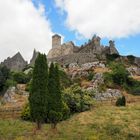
(108, 94)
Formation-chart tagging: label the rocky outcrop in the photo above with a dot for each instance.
(134, 71)
(9, 95)
(16, 63)
(137, 61)
(96, 82)
(108, 95)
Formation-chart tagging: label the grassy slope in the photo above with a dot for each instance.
(101, 123)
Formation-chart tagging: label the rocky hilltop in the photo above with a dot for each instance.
(67, 53)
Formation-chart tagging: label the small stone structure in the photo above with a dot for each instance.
(16, 63)
(56, 41)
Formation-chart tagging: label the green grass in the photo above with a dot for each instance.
(101, 123)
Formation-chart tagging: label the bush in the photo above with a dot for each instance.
(131, 59)
(90, 76)
(25, 115)
(65, 111)
(111, 57)
(121, 101)
(21, 77)
(108, 80)
(119, 73)
(77, 99)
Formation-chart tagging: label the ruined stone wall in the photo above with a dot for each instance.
(16, 63)
(79, 58)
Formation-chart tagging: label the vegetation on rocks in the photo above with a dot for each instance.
(119, 77)
(77, 99)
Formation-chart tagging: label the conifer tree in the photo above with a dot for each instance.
(39, 90)
(55, 99)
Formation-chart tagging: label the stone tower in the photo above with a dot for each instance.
(56, 41)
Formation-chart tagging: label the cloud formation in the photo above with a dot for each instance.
(106, 18)
(23, 28)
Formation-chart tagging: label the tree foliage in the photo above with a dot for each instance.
(39, 90)
(55, 103)
(4, 75)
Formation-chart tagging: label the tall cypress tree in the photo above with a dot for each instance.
(55, 99)
(38, 100)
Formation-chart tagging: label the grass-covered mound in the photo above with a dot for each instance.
(101, 123)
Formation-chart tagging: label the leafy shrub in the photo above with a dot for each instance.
(90, 76)
(25, 115)
(108, 80)
(111, 57)
(131, 59)
(121, 101)
(65, 111)
(77, 99)
(21, 77)
(133, 86)
(119, 73)
(10, 83)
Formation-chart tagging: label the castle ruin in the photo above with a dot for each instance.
(68, 52)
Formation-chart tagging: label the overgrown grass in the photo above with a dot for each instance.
(101, 123)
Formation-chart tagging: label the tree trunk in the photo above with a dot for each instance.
(54, 125)
(38, 125)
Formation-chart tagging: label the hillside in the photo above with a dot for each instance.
(102, 122)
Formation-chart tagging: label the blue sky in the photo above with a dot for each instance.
(125, 45)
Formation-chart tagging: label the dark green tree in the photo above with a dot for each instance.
(4, 75)
(38, 100)
(55, 97)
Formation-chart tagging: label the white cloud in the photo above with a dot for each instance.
(23, 28)
(106, 18)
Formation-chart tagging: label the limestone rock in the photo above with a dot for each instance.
(137, 61)
(8, 96)
(134, 71)
(109, 94)
(73, 65)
